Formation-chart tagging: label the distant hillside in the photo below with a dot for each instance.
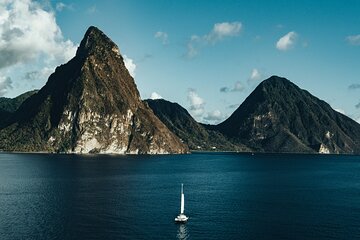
(10, 105)
(192, 133)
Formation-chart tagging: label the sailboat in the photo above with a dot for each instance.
(182, 217)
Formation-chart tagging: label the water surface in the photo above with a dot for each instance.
(227, 196)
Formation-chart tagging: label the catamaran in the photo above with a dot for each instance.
(182, 217)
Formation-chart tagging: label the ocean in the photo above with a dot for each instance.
(227, 196)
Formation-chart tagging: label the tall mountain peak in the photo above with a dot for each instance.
(90, 104)
(96, 42)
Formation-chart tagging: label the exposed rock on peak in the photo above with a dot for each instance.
(90, 104)
(96, 42)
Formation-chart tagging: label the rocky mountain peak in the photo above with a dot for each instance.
(96, 42)
(90, 104)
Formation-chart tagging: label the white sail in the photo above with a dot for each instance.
(182, 217)
(182, 200)
(182, 204)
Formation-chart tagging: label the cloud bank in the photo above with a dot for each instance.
(30, 38)
(27, 31)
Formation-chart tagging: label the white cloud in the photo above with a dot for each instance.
(287, 41)
(60, 6)
(162, 36)
(28, 31)
(155, 95)
(30, 41)
(196, 103)
(353, 40)
(222, 30)
(214, 116)
(130, 65)
(5, 84)
(255, 75)
(219, 32)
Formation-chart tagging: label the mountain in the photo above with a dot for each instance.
(192, 133)
(10, 105)
(89, 105)
(278, 116)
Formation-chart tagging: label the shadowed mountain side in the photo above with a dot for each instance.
(10, 105)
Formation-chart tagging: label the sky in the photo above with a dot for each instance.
(208, 56)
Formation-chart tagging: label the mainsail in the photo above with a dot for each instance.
(182, 200)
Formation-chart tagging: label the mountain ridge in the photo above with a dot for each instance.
(91, 104)
(277, 117)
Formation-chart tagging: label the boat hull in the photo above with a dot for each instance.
(181, 218)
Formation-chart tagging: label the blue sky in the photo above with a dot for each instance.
(206, 55)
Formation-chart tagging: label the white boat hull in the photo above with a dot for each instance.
(181, 218)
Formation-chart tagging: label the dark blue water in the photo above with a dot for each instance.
(227, 196)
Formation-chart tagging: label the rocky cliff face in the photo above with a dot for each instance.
(278, 116)
(89, 105)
